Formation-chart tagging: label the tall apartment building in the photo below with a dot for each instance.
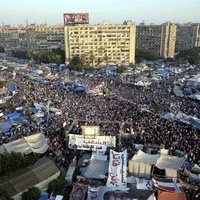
(159, 39)
(32, 37)
(13, 38)
(114, 42)
(187, 36)
(44, 37)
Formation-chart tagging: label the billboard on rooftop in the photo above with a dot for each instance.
(76, 18)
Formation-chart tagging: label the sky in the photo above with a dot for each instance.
(15, 12)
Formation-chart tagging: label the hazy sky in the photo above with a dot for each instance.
(16, 12)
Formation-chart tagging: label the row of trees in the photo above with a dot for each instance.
(191, 56)
(10, 162)
(54, 56)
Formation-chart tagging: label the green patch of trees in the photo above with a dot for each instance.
(192, 56)
(3, 84)
(31, 194)
(141, 55)
(4, 195)
(54, 56)
(121, 69)
(11, 162)
(57, 185)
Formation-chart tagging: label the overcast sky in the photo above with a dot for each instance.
(16, 12)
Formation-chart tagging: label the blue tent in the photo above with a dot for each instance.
(5, 126)
(186, 91)
(34, 110)
(186, 165)
(44, 196)
(82, 88)
(13, 115)
(74, 84)
(11, 88)
(40, 80)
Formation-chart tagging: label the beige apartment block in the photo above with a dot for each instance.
(101, 44)
(168, 40)
(32, 38)
(159, 39)
(187, 36)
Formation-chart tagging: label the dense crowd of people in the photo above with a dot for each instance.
(120, 103)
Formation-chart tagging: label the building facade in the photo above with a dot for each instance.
(102, 43)
(187, 36)
(159, 39)
(32, 38)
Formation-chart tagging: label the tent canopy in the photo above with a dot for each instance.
(170, 164)
(141, 164)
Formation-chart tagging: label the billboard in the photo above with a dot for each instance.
(99, 143)
(76, 18)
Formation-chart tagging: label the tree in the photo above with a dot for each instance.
(27, 112)
(9, 107)
(3, 84)
(146, 55)
(4, 195)
(32, 194)
(190, 55)
(92, 58)
(76, 61)
(106, 58)
(57, 185)
(83, 59)
(121, 69)
(99, 61)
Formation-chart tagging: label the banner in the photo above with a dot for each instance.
(117, 169)
(99, 143)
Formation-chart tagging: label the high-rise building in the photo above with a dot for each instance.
(159, 39)
(102, 43)
(187, 36)
(13, 38)
(44, 37)
(32, 38)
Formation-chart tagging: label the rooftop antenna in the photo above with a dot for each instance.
(26, 22)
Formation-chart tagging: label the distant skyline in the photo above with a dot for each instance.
(15, 12)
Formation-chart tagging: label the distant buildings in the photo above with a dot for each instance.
(159, 39)
(187, 36)
(102, 43)
(32, 38)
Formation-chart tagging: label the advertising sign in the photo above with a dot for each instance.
(76, 18)
(99, 143)
(117, 169)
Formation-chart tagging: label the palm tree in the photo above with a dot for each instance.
(27, 111)
(106, 58)
(83, 59)
(92, 58)
(99, 61)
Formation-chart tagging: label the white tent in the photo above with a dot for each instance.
(36, 143)
(141, 164)
(170, 164)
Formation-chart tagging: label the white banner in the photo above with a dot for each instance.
(117, 169)
(99, 143)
